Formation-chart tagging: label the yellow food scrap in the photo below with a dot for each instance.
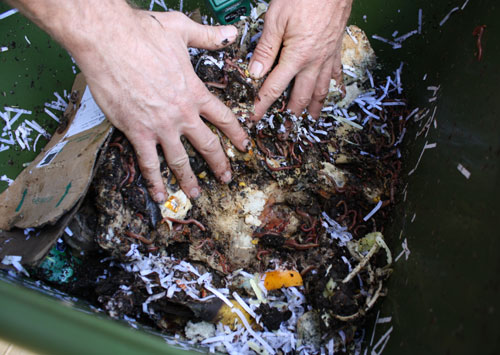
(282, 278)
(172, 204)
(255, 241)
(202, 175)
(376, 199)
(242, 184)
(227, 317)
(247, 73)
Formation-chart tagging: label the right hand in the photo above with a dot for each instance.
(139, 71)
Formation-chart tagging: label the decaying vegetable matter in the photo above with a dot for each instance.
(289, 256)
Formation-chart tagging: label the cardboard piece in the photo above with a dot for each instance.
(49, 191)
(54, 182)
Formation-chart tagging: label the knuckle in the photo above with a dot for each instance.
(149, 168)
(179, 163)
(274, 91)
(209, 146)
(264, 49)
(303, 101)
(321, 93)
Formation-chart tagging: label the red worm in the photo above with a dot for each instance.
(138, 237)
(293, 244)
(261, 253)
(118, 145)
(131, 168)
(478, 32)
(280, 168)
(216, 85)
(188, 221)
(205, 241)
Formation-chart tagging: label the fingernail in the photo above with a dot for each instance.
(246, 145)
(160, 197)
(195, 192)
(226, 177)
(256, 69)
(230, 32)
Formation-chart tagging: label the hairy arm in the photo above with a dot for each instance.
(137, 66)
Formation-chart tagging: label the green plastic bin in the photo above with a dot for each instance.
(444, 298)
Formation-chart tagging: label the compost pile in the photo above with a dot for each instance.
(288, 257)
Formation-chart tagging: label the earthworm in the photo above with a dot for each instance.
(292, 243)
(138, 237)
(346, 209)
(305, 229)
(292, 153)
(203, 242)
(280, 168)
(222, 262)
(118, 145)
(235, 66)
(356, 230)
(188, 221)
(312, 221)
(216, 85)
(262, 234)
(127, 175)
(152, 249)
(308, 269)
(131, 168)
(261, 253)
(263, 148)
(283, 105)
(478, 32)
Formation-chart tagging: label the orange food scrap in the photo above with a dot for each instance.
(172, 204)
(282, 278)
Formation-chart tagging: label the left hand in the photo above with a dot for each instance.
(311, 33)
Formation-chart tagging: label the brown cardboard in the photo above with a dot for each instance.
(48, 193)
(58, 178)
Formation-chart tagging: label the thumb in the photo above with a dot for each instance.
(209, 37)
(266, 51)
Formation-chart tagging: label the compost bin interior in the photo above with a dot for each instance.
(443, 298)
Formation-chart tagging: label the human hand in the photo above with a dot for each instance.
(140, 74)
(311, 33)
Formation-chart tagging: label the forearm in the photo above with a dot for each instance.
(75, 24)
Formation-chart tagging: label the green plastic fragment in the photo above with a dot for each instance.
(58, 265)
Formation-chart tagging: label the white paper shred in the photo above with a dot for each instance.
(159, 3)
(426, 146)
(464, 171)
(406, 252)
(15, 261)
(8, 13)
(348, 30)
(373, 211)
(464, 4)
(381, 341)
(6, 179)
(443, 21)
(419, 21)
(335, 230)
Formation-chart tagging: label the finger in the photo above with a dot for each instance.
(267, 48)
(209, 146)
(149, 164)
(272, 88)
(178, 161)
(337, 73)
(302, 91)
(207, 37)
(224, 119)
(321, 90)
